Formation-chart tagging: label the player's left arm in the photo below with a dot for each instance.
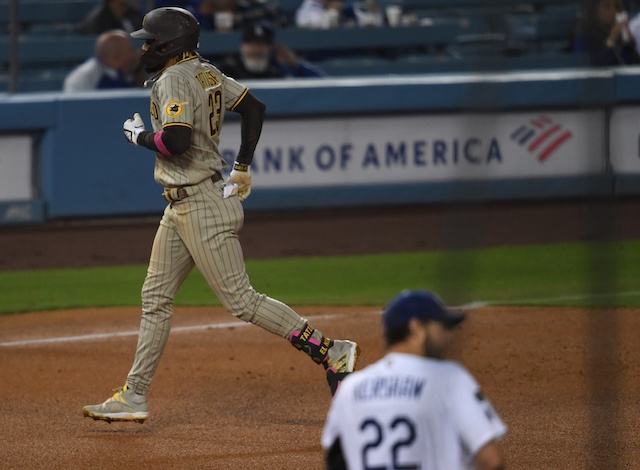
(331, 434)
(334, 457)
(251, 110)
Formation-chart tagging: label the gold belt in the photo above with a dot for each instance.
(172, 195)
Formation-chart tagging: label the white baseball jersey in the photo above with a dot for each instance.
(411, 412)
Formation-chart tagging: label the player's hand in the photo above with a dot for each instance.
(240, 175)
(133, 128)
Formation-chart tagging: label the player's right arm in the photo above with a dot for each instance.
(479, 426)
(490, 457)
(174, 111)
(171, 140)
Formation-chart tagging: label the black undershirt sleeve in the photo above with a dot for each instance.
(176, 138)
(251, 109)
(334, 458)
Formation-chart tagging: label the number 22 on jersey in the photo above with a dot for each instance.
(398, 434)
(215, 111)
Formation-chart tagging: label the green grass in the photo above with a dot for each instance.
(559, 274)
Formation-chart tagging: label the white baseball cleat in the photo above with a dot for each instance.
(341, 361)
(125, 405)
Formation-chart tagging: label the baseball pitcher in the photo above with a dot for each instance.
(200, 224)
(412, 409)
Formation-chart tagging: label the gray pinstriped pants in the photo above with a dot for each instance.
(201, 231)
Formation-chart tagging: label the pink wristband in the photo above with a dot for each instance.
(157, 139)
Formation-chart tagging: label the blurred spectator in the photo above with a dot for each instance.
(634, 27)
(225, 15)
(261, 57)
(113, 65)
(603, 33)
(367, 13)
(321, 14)
(326, 14)
(248, 12)
(203, 10)
(110, 15)
(222, 12)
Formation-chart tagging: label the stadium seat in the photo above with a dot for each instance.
(450, 36)
(532, 31)
(34, 13)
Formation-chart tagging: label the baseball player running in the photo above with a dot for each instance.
(412, 409)
(200, 224)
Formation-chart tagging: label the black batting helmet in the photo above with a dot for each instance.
(169, 31)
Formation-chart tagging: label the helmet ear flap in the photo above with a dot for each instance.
(168, 31)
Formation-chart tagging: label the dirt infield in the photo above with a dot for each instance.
(239, 398)
(565, 381)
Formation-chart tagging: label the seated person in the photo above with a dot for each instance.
(320, 14)
(261, 57)
(326, 14)
(113, 65)
(241, 13)
(366, 13)
(248, 12)
(203, 10)
(634, 28)
(606, 39)
(110, 15)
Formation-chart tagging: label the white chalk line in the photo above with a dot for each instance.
(237, 324)
(545, 300)
(122, 334)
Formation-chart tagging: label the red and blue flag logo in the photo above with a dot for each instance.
(541, 137)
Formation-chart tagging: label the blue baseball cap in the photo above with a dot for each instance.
(419, 304)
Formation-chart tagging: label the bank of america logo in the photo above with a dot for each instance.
(541, 137)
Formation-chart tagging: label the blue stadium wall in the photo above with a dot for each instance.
(85, 168)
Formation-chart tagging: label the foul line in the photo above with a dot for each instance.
(122, 334)
(544, 300)
(238, 324)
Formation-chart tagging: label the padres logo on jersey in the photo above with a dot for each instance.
(174, 108)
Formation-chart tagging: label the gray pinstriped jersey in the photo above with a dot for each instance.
(195, 94)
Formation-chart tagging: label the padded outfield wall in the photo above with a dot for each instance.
(343, 142)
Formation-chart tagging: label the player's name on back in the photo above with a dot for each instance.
(389, 387)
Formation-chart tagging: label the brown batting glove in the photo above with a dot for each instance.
(240, 175)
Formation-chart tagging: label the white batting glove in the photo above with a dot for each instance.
(240, 175)
(133, 128)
